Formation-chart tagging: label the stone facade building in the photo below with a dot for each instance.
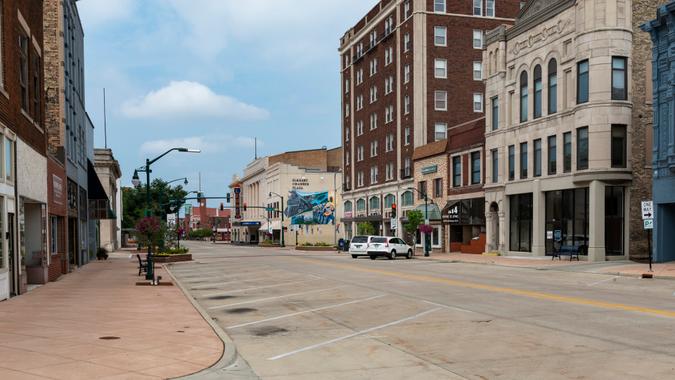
(565, 154)
(662, 34)
(109, 211)
(409, 70)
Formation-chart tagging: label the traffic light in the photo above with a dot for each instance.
(227, 197)
(222, 207)
(393, 210)
(244, 206)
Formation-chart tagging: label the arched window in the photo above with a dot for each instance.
(389, 200)
(552, 86)
(523, 96)
(537, 91)
(407, 199)
(374, 204)
(348, 206)
(361, 205)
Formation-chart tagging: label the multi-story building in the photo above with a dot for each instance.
(410, 69)
(110, 211)
(565, 154)
(662, 34)
(23, 166)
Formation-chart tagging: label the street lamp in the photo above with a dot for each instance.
(282, 216)
(182, 202)
(426, 217)
(185, 181)
(150, 274)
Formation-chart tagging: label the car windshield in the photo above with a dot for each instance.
(360, 239)
(378, 240)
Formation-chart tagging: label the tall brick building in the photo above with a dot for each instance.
(410, 69)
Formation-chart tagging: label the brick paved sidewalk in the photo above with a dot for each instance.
(55, 331)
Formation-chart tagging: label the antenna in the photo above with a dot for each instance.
(255, 147)
(105, 122)
(200, 182)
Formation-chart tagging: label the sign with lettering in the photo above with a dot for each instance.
(299, 183)
(430, 169)
(649, 224)
(57, 189)
(647, 210)
(453, 213)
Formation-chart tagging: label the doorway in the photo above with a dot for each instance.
(73, 259)
(11, 252)
(494, 227)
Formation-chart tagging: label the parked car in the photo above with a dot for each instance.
(374, 246)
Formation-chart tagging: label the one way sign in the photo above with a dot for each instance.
(647, 210)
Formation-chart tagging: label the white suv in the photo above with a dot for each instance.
(374, 246)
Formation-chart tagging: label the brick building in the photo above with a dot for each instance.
(211, 218)
(409, 70)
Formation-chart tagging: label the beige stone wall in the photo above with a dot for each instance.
(54, 80)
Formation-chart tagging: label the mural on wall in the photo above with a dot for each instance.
(310, 208)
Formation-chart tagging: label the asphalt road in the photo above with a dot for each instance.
(327, 316)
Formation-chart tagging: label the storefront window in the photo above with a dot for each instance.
(614, 214)
(520, 226)
(566, 218)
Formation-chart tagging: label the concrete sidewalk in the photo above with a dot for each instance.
(96, 323)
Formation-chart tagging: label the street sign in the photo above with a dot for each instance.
(394, 223)
(649, 224)
(647, 210)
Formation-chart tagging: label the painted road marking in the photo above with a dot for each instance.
(362, 332)
(305, 312)
(498, 289)
(451, 307)
(255, 288)
(272, 298)
(603, 281)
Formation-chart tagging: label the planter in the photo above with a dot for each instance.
(316, 249)
(172, 258)
(270, 245)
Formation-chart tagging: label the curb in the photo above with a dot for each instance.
(230, 357)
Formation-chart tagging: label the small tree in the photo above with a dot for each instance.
(366, 228)
(150, 231)
(415, 218)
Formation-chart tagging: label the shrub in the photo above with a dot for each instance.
(200, 233)
(174, 251)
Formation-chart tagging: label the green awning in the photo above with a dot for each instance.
(432, 209)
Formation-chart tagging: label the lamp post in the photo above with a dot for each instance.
(150, 274)
(426, 218)
(185, 181)
(282, 216)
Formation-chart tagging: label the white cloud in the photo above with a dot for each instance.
(207, 144)
(191, 99)
(95, 13)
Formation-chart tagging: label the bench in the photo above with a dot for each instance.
(142, 265)
(573, 251)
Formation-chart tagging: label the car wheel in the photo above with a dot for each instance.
(354, 257)
(392, 255)
(410, 254)
(373, 257)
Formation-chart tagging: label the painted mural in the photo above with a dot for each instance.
(310, 208)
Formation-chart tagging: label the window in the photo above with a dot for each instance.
(359, 77)
(406, 167)
(475, 168)
(406, 104)
(477, 7)
(374, 204)
(406, 136)
(440, 36)
(389, 200)
(359, 153)
(495, 165)
(537, 91)
(389, 114)
(523, 97)
(477, 39)
(619, 78)
(490, 8)
(346, 86)
(389, 85)
(373, 148)
(389, 172)
(567, 152)
(582, 82)
(373, 94)
(406, 8)
(361, 205)
(36, 88)
(348, 206)
(441, 68)
(389, 143)
(373, 175)
(439, 6)
(552, 87)
(346, 110)
(618, 146)
(388, 56)
(9, 159)
(477, 70)
(359, 128)
(359, 179)
(582, 148)
(373, 67)
(441, 130)
(406, 73)
(512, 162)
(346, 134)
(457, 171)
(537, 157)
(552, 155)
(23, 70)
(477, 102)
(407, 199)
(438, 187)
(523, 160)
(495, 113)
(406, 42)
(373, 121)
(388, 25)
(441, 101)
(566, 213)
(421, 189)
(373, 38)
(520, 222)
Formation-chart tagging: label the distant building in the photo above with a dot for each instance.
(110, 224)
(211, 218)
(662, 33)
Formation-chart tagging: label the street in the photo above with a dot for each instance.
(324, 315)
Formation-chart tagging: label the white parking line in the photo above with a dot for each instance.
(450, 307)
(271, 298)
(225, 283)
(254, 288)
(304, 312)
(366, 331)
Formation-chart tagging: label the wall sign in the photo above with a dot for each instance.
(430, 169)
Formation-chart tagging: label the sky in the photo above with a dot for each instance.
(213, 75)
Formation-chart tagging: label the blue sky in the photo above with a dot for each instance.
(213, 75)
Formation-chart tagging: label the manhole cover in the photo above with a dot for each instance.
(109, 337)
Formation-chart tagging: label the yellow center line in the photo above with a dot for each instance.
(500, 289)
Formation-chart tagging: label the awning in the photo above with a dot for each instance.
(94, 186)
(433, 210)
(465, 212)
(99, 203)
